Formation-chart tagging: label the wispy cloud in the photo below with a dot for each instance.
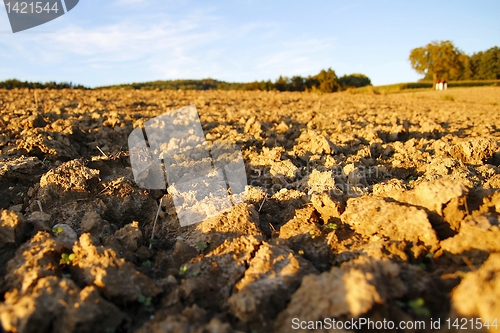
(126, 41)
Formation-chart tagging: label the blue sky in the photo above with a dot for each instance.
(102, 42)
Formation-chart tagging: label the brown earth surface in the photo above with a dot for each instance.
(358, 206)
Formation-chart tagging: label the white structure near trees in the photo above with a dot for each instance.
(441, 85)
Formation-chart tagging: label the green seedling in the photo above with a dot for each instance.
(57, 230)
(153, 241)
(67, 258)
(417, 306)
(201, 246)
(429, 255)
(193, 274)
(146, 263)
(312, 233)
(147, 302)
(144, 300)
(332, 226)
(183, 269)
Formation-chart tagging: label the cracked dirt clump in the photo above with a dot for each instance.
(476, 295)
(271, 278)
(113, 276)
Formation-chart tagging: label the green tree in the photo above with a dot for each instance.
(439, 60)
(281, 84)
(354, 81)
(266, 85)
(488, 64)
(467, 67)
(328, 81)
(297, 83)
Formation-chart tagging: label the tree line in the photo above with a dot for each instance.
(13, 84)
(324, 81)
(443, 61)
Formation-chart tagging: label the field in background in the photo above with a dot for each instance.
(424, 85)
(476, 95)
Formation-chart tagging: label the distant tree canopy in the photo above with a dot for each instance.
(442, 60)
(13, 83)
(354, 81)
(484, 65)
(324, 81)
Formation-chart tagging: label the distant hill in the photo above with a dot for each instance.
(13, 84)
(324, 81)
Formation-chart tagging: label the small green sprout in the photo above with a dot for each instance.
(193, 274)
(67, 258)
(153, 241)
(144, 300)
(429, 255)
(57, 230)
(418, 307)
(201, 246)
(146, 263)
(183, 269)
(332, 226)
(312, 233)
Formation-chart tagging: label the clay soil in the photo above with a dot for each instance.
(382, 207)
